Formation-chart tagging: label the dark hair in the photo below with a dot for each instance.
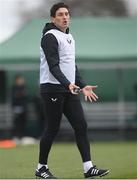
(55, 7)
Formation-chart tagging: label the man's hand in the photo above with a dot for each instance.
(89, 94)
(74, 89)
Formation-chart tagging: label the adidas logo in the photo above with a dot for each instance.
(94, 171)
(45, 175)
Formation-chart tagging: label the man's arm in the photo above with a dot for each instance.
(87, 90)
(79, 81)
(49, 45)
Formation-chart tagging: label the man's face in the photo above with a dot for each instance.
(61, 19)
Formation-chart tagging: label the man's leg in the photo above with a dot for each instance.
(74, 112)
(53, 106)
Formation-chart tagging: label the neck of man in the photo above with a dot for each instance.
(61, 29)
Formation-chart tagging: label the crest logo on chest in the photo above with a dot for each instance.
(69, 41)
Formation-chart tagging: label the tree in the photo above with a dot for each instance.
(97, 7)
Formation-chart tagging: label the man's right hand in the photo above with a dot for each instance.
(73, 87)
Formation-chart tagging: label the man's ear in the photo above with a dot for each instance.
(52, 19)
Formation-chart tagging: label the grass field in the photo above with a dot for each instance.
(64, 160)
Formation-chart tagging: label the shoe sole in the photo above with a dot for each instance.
(39, 177)
(92, 177)
(105, 173)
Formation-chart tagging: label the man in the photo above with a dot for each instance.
(60, 82)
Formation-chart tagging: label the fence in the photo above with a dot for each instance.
(120, 114)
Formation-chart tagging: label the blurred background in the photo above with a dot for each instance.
(106, 54)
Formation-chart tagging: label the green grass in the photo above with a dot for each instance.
(64, 160)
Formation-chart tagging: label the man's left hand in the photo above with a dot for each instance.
(89, 94)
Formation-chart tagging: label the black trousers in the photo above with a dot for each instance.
(55, 104)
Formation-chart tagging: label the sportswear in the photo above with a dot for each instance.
(93, 172)
(44, 173)
(57, 61)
